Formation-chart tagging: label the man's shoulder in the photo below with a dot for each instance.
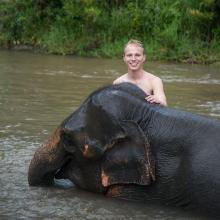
(152, 77)
(120, 79)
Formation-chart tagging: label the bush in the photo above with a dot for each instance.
(171, 29)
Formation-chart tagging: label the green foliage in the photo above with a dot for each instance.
(171, 29)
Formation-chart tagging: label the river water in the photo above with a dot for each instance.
(38, 91)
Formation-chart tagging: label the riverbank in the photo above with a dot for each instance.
(204, 56)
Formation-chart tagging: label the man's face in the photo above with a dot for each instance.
(134, 57)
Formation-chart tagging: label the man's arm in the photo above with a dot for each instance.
(158, 93)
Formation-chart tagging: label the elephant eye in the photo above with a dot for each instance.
(69, 143)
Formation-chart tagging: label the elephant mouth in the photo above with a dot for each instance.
(63, 183)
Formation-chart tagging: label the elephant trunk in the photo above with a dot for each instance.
(39, 172)
(47, 160)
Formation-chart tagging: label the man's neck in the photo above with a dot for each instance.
(135, 75)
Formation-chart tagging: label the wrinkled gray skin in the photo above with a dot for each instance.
(109, 145)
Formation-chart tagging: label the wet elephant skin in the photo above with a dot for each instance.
(117, 144)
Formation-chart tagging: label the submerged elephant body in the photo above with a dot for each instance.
(117, 144)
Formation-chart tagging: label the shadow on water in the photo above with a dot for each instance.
(39, 91)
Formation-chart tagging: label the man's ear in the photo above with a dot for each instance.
(124, 58)
(144, 58)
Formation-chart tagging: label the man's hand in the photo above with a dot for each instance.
(154, 99)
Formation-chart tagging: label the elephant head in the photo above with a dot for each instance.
(95, 150)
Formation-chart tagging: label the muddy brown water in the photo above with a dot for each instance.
(38, 91)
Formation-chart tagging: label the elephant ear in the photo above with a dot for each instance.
(102, 131)
(130, 160)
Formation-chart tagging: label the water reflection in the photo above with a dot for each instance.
(39, 91)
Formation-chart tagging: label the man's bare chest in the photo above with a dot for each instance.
(145, 86)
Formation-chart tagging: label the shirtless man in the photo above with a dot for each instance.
(135, 57)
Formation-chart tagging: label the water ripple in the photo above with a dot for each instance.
(176, 78)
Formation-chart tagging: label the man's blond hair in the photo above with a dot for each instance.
(136, 42)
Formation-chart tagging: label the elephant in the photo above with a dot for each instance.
(119, 145)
